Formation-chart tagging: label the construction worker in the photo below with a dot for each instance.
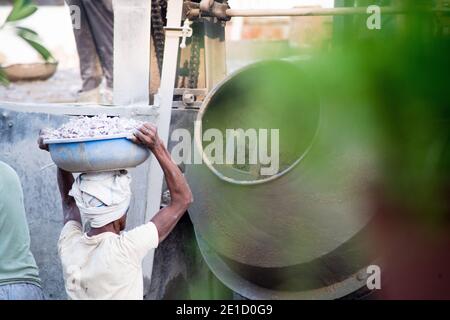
(94, 36)
(106, 262)
(19, 275)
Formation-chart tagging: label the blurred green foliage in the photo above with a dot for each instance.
(21, 10)
(398, 77)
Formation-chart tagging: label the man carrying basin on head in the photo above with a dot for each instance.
(106, 262)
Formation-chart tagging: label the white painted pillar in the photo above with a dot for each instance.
(165, 101)
(131, 51)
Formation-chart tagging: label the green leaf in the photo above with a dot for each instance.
(21, 10)
(27, 31)
(31, 37)
(43, 51)
(3, 78)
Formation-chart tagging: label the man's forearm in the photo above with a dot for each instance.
(180, 192)
(65, 182)
(181, 196)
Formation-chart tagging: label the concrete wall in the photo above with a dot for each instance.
(177, 260)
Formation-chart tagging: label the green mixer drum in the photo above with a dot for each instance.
(301, 229)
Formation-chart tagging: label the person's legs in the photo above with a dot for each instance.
(21, 291)
(90, 70)
(101, 20)
(3, 293)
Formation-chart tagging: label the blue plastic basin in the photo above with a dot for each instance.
(97, 154)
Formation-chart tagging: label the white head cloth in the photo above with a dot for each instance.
(102, 197)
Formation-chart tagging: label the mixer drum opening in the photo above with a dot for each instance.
(262, 98)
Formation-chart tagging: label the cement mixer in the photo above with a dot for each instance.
(300, 232)
(297, 234)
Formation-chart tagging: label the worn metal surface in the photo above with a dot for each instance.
(240, 283)
(302, 232)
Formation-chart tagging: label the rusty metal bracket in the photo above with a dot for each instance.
(206, 5)
(207, 9)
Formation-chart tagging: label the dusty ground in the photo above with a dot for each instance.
(62, 87)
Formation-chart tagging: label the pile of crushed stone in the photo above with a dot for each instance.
(97, 126)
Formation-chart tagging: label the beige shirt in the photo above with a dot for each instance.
(106, 266)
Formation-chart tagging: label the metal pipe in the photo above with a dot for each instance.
(305, 12)
(311, 12)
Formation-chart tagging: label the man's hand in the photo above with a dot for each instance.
(40, 141)
(147, 135)
(181, 196)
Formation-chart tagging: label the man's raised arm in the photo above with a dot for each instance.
(180, 193)
(70, 209)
